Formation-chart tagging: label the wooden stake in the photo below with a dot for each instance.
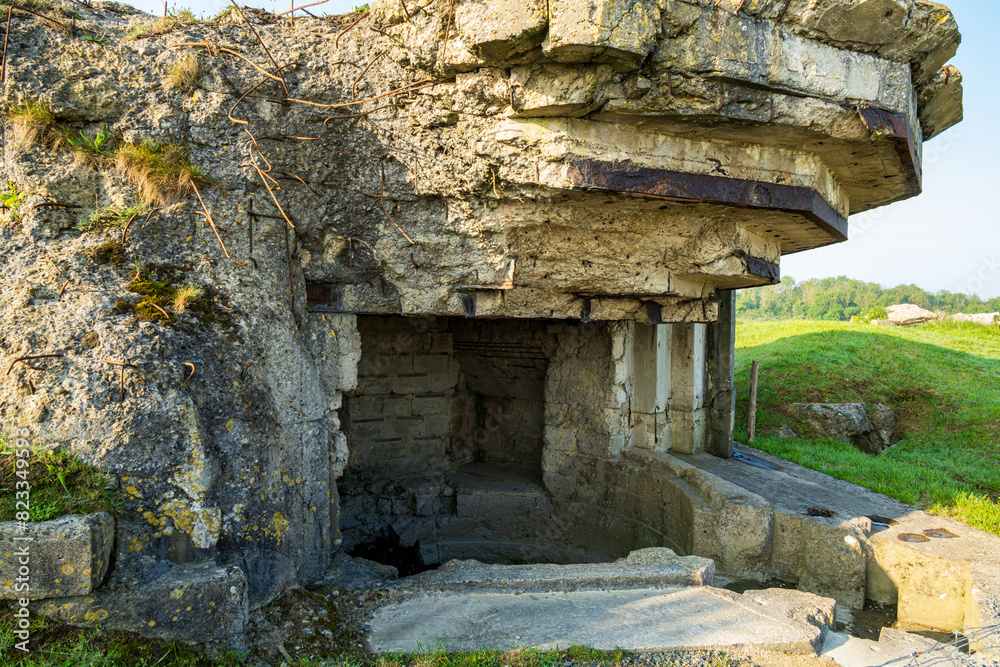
(752, 408)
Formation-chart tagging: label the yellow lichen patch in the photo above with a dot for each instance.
(96, 616)
(199, 522)
(134, 492)
(277, 527)
(152, 623)
(151, 518)
(135, 545)
(193, 476)
(177, 593)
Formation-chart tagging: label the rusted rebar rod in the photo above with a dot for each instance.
(336, 42)
(208, 216)
(263, 45)
(417, 84)
(381, 201)
(270, 191)
(242, 97)
(31, 357)
(295, 9)
(6, 36)
(447, 34)
(354, 85)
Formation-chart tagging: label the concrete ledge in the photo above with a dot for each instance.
(646, 568)
(197, 602)
(65, 556)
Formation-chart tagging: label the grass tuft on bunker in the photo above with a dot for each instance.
(160, 171)
(34, 123)
(60, 484)
(185, 74)
(940, 379)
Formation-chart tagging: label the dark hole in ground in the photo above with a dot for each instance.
(386, 549)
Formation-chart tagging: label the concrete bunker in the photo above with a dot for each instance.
(488, 312)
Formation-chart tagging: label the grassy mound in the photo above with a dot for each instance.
(940, 379)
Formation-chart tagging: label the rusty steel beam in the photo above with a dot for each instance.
(704, 189)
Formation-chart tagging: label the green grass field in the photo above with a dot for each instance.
(942, 380)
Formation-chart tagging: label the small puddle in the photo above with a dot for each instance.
(821, 512)
(743, 585)
(940, 532)
(912, 537)
(882, 521)
(956, 639)
(866, 623)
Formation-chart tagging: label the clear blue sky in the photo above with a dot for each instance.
(946, 239)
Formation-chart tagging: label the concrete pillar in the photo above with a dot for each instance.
(721, 371)
(651, 386)
(688, 383)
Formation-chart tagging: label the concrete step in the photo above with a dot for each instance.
(656, 567)
(643, 619)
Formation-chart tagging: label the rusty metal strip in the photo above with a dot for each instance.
(761, 267)
(704, 189)
(896, 128)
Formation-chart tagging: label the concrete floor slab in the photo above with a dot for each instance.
(691, 618)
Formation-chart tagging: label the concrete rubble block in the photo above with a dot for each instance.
(559, 90)
(794, 607)
(199, 602)
(746, 51)
(619, 32)
(907, 314)
(940, 102)
(883, 420)
(66, 556)
(916, 31)
(654, 567)
(851, 422)
(731, 525)
(495, 30)
(355, 573)
(983, 608)
(833, 562)
(931, 590)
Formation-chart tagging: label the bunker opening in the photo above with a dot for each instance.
(446, 434)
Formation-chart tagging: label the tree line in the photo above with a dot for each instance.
(841, 298)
